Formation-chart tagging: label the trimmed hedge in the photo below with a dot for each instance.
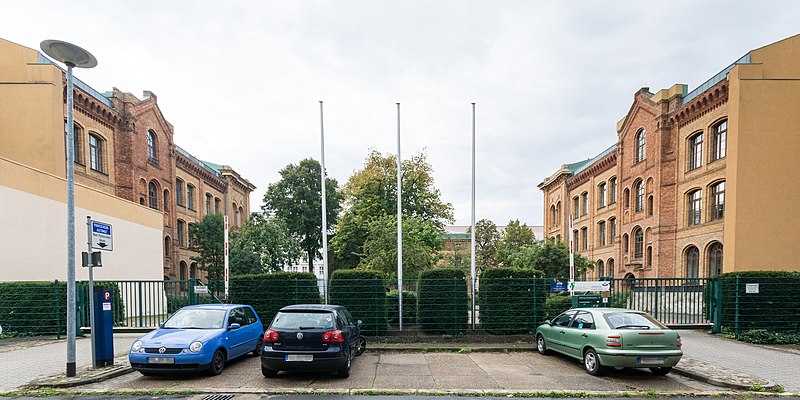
(40, 308)
(556, 304)
(363, 292)
(511, 300)
(409, 307)
(443, 301)
(268, 293)
(776, 307)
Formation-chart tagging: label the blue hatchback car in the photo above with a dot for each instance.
(198, 338)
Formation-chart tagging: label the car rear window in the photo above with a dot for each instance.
(632, 320)
(303, 320)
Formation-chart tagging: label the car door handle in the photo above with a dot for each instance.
(562, 332)
(585, 335)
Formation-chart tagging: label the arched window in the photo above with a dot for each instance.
(217, 202)
(208, 203)
(638, 243)
(183, 270)
(193, 271)
(601, 233)
(626, 198)
(152, 194)
(601, 269)
(612, 191)
(190, 197)
(553, 215)
(241, 215)
(181, 233)
(649, 259)
(558, 213)
(584, 238)
(585, 200)
(650, 206)
(179, 192)
(576, 203)
(641, 145)
(610, 265)
(167, 246)
(152, 154)
(639, 187)
(695, 207)
(718, 201)
(695, 151)
(601, 195)
(612, 230)
(692, 262)
(715, 259)
(719, 142)
(77, 148)
(625, 247)
(166, 200)
(96, 153)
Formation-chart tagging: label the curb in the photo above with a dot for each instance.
(716, 382)
(43, 383)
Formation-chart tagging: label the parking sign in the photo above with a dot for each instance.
(101, 236)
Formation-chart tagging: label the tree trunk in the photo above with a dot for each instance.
(311, 261)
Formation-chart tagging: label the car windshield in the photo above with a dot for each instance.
(632, 320)
(196, 319)
(303, 320)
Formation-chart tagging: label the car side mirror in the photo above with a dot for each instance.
(161, 325)
(359, 322)
(234, 326)
(549, 322)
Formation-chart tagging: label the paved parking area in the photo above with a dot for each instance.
(523, 371)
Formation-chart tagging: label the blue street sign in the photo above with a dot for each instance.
(101, 236)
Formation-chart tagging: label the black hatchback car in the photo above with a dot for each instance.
(311, 337)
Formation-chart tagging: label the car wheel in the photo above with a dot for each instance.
(147, 373)
(257, 351)
(345, 371)
(660, 371)
(591, 362)
(541, 346)
(268, 373)
(361, 345)
(217, 363)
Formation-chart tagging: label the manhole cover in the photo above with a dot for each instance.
(219, 397)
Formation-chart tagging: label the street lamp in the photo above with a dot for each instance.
(72, 56)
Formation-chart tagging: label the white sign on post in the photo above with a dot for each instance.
(590, 286)
(751, 288)
(201, 289)
(101, 236)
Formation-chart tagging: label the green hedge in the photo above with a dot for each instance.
(443, 301)
(409, 307)
(556, 304)
(363, 292)
(511, 300)
(268, 293)
(40, 308)
(776, 307)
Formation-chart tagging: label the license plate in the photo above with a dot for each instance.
(299, 357)
(649, 360)
(161, 360)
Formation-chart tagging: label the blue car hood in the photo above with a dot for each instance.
(179, 337)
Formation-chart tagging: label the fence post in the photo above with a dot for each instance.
(655, 310)
(58, 313)
(736, 320)
(717, 305)
(141, 310)
(535, 322)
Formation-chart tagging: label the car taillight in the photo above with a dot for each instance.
(679, 341)
(333, 337)
(271, 336)
(614, 341)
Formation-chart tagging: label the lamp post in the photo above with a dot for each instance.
(72, 56)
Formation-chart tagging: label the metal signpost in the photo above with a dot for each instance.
(227, 269)
(98, 237)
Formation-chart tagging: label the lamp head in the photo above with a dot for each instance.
(68, 53)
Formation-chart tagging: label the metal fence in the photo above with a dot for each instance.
(677, 302)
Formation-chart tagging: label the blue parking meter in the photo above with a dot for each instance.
(103, 326)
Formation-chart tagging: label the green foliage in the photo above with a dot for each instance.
(262, 244)
(297, 199)
(409, 307)
(775, 308)
(443, 301)
(552, 258)
(421, 245)
(363, 292)
(511, 300)
(268, 293)
(40, 308)
(556, 304)
(516, 237)
(763, 336)
(207, 238)
(371, 194)
(486, 239)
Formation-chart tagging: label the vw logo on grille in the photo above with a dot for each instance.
(162, 350)
(299, 335)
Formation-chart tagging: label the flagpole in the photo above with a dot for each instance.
(571, 255)
(472, 231)
(399, 225)
(324, 209)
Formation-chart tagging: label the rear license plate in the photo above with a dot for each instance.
(649, 360)
(299, 357)
(161, 360)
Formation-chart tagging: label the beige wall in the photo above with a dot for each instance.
(33, 215)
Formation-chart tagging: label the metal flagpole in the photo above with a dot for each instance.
(324, 210)
(227, 265)
(399, 225)
(571, 255)
(472, 231)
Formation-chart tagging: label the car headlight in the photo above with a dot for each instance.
(195, 347)
(137, 346)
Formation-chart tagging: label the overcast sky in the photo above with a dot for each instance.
(241, 81)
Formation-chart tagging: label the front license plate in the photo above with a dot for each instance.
(649, 360)
(299, 357)
(161, 360)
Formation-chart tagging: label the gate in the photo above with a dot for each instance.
(676, 302)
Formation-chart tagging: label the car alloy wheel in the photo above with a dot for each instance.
(361, 345)
(541, 346)
(591, 363)
(259, 346)
(217, 363)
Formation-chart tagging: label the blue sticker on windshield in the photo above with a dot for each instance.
(580, 326)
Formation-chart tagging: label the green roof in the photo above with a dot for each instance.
(214, 166)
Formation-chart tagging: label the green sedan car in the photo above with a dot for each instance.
(611, 337)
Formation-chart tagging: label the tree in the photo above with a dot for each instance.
(421, 245)
(262, 244)
(515, 237)
(371, 194)
(208, 240)
(486, 241)
(552, 258)
(297, 199)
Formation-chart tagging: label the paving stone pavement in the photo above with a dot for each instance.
(28, 360)
(781, 367)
